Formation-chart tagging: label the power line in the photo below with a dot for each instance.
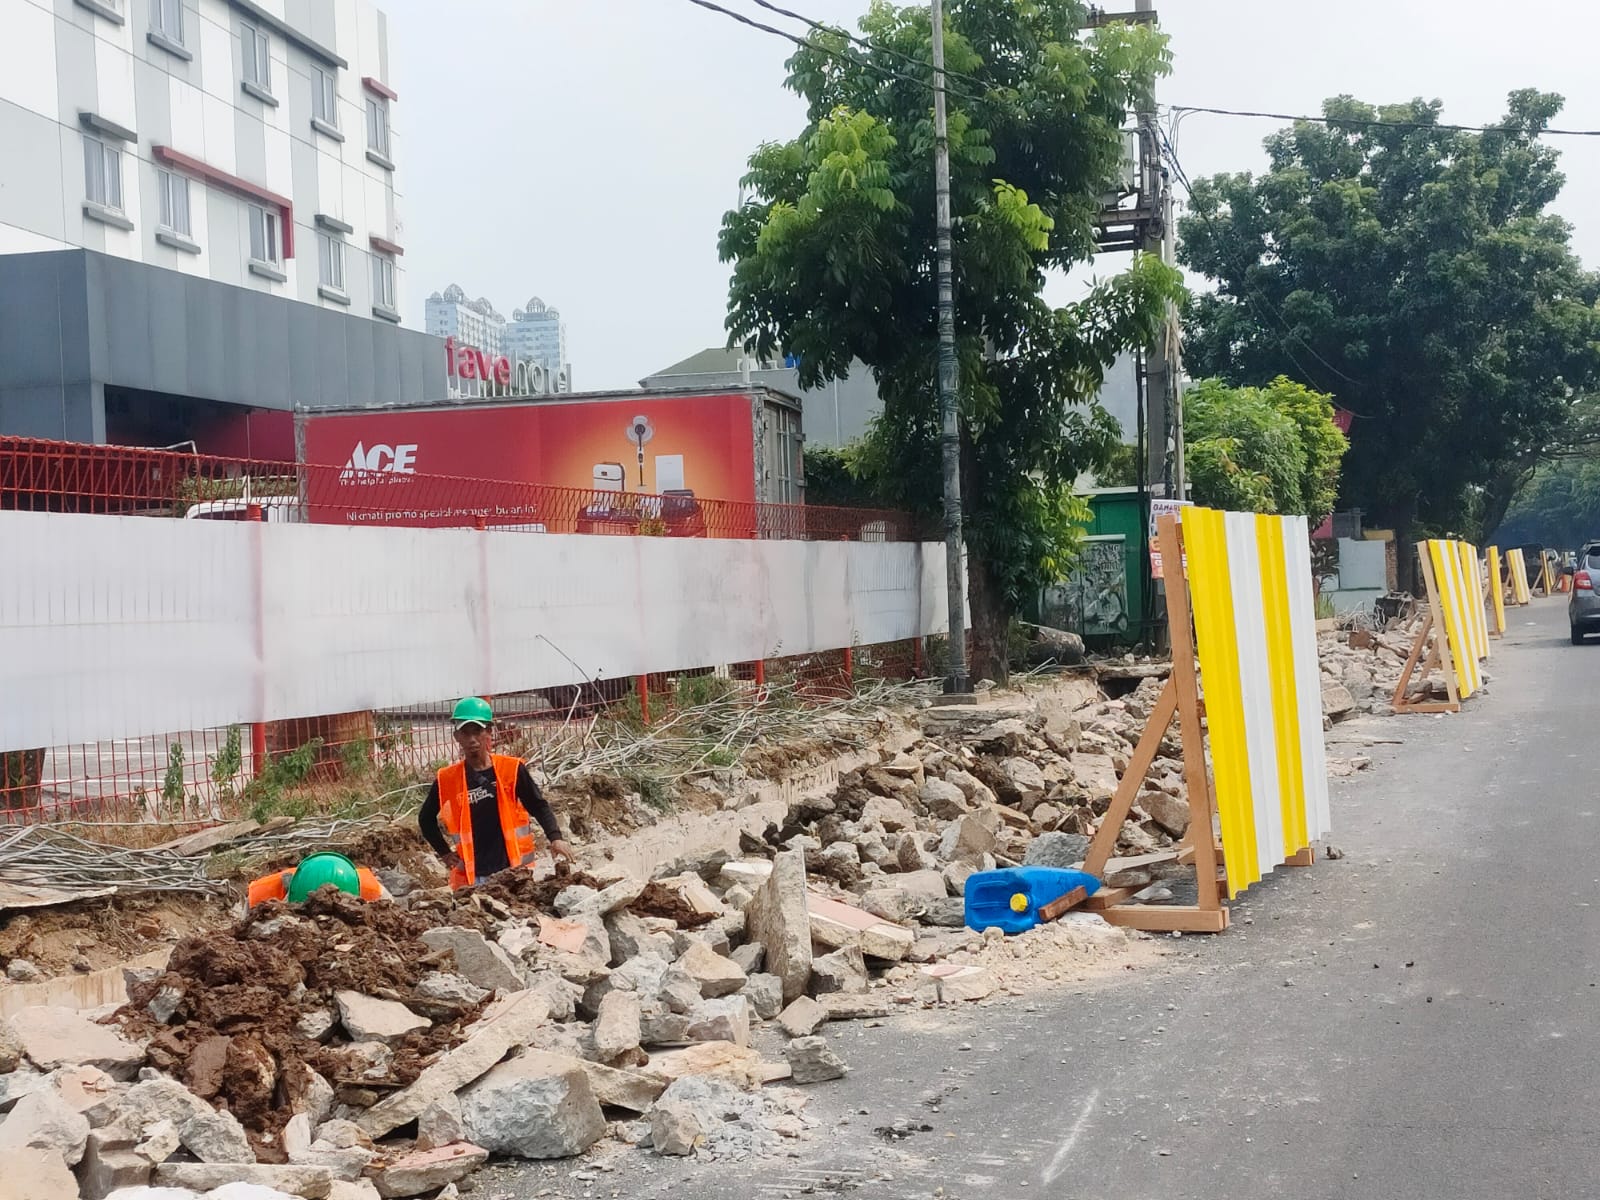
(1377, 124)
(822, 27)
(807, 44)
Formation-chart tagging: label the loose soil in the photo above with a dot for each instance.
(89, 935)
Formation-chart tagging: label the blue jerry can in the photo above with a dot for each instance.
(1010, 899)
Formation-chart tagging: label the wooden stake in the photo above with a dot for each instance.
(1438, 652)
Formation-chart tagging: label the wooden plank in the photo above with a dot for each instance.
(1134, 862)
(1399, 702)
(1202, 800)
(1167, 918)
(1108, 896)
(1049, 912)
(1144, 754)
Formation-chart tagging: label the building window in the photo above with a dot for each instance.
(324, 97)
(174, 191)
(378, 125)
(383, 295)
(257, 56)
(264, 235)
(166, 18)
(330, 252)
(102, 170)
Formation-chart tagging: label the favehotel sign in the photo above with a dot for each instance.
(471, 372)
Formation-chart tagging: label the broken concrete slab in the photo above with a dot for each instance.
(90, 1091)
(802, 1018)
(838, 925)
(723, 1060)
(948, 983)
(522, 1109)
(777, 917)
(968, 838)
(1171, 813)
(312, 1183)
(44, 1121)
(616, 1026)
(53, 1037)
(813, 1061)
(518, 1017)
(110, 1163)
(39, 1174)
(716, 976)
(765, 993)
(841, 971)
(440, 1123)
(723, 1020)
(210, 1135)
(675, 1129)
(613, 1087)
(1097, 775)
(477, 959)
(893, 816)
(943, 799)
(428, 1170)
(1056, 850)
(366, 1019)
(854, 1006)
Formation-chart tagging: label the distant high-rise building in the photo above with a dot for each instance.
(470, 322)
(538, 334)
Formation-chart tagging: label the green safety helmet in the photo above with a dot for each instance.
(319, 870)
(473, 710)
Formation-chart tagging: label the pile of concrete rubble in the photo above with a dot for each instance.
(340, 1049)
(1361, 669)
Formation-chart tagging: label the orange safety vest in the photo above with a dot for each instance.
(276, 886)
(455, 816)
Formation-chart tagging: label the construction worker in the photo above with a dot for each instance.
(477, 814)
(318, 870)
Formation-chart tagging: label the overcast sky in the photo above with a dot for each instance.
(583, 151)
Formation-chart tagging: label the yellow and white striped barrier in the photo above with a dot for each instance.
(1250, 583)
(1497, 594)
(1457, 598)
(1520, 592)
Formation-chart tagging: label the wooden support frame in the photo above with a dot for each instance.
(1438, 656)
(1181, 698)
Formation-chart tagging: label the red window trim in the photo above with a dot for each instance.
(378, 87)
(167, 156)
(385, 245)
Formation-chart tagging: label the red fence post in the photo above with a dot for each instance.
(258, 730)
(642, 684)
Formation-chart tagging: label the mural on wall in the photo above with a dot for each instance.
(1093, 600)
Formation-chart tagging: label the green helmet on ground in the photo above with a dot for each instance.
(319, 870)
(473, 710)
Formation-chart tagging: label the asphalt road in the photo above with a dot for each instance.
(1419, 1020)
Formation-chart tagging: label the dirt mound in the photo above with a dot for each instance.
(90, 934)
(234, 1035)
(659, 901)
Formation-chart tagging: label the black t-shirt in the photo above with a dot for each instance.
(488, 842)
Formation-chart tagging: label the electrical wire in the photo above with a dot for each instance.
(808, 44)
(1376, 123)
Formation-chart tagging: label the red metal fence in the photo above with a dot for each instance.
(73, 477)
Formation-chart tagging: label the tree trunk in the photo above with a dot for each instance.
(1500, 492)
(1403, 520)
(989, 622)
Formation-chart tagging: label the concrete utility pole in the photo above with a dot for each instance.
(956, 677)
(1160, 375)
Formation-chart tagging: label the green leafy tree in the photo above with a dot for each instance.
(1560, 506)
(834, 260)
(1272, 449)
(1414, 272)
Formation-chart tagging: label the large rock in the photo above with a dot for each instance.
(44, 1121)
(1056, 850)
(1337, 702)
(838, 925)
(968, 838)
(842, 971)
(514, 1024)
(947, 983)
(62, 1037)
(616, 1026)
(1097, 775)
(110, 1163)
(911, 855)
(368, 1020)
(723, 1060)
(478, 960)
(723, 1020)
(1022, 784)
(675, 1128)
(973, 788)
(312, 1183)
(715, 976)
(813, 1061)
(802, 1018)
(428, 1170)
(34, 1174)
(765, 993)
(10, 1048)
(777, 918)
(210, 1135)
(612, 1086)
(893, 816)
(519, 1108)
(440, 1124)
(450, 988)
(90, 1091)
(1169, 812)
(633, 935)
(942, 799)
